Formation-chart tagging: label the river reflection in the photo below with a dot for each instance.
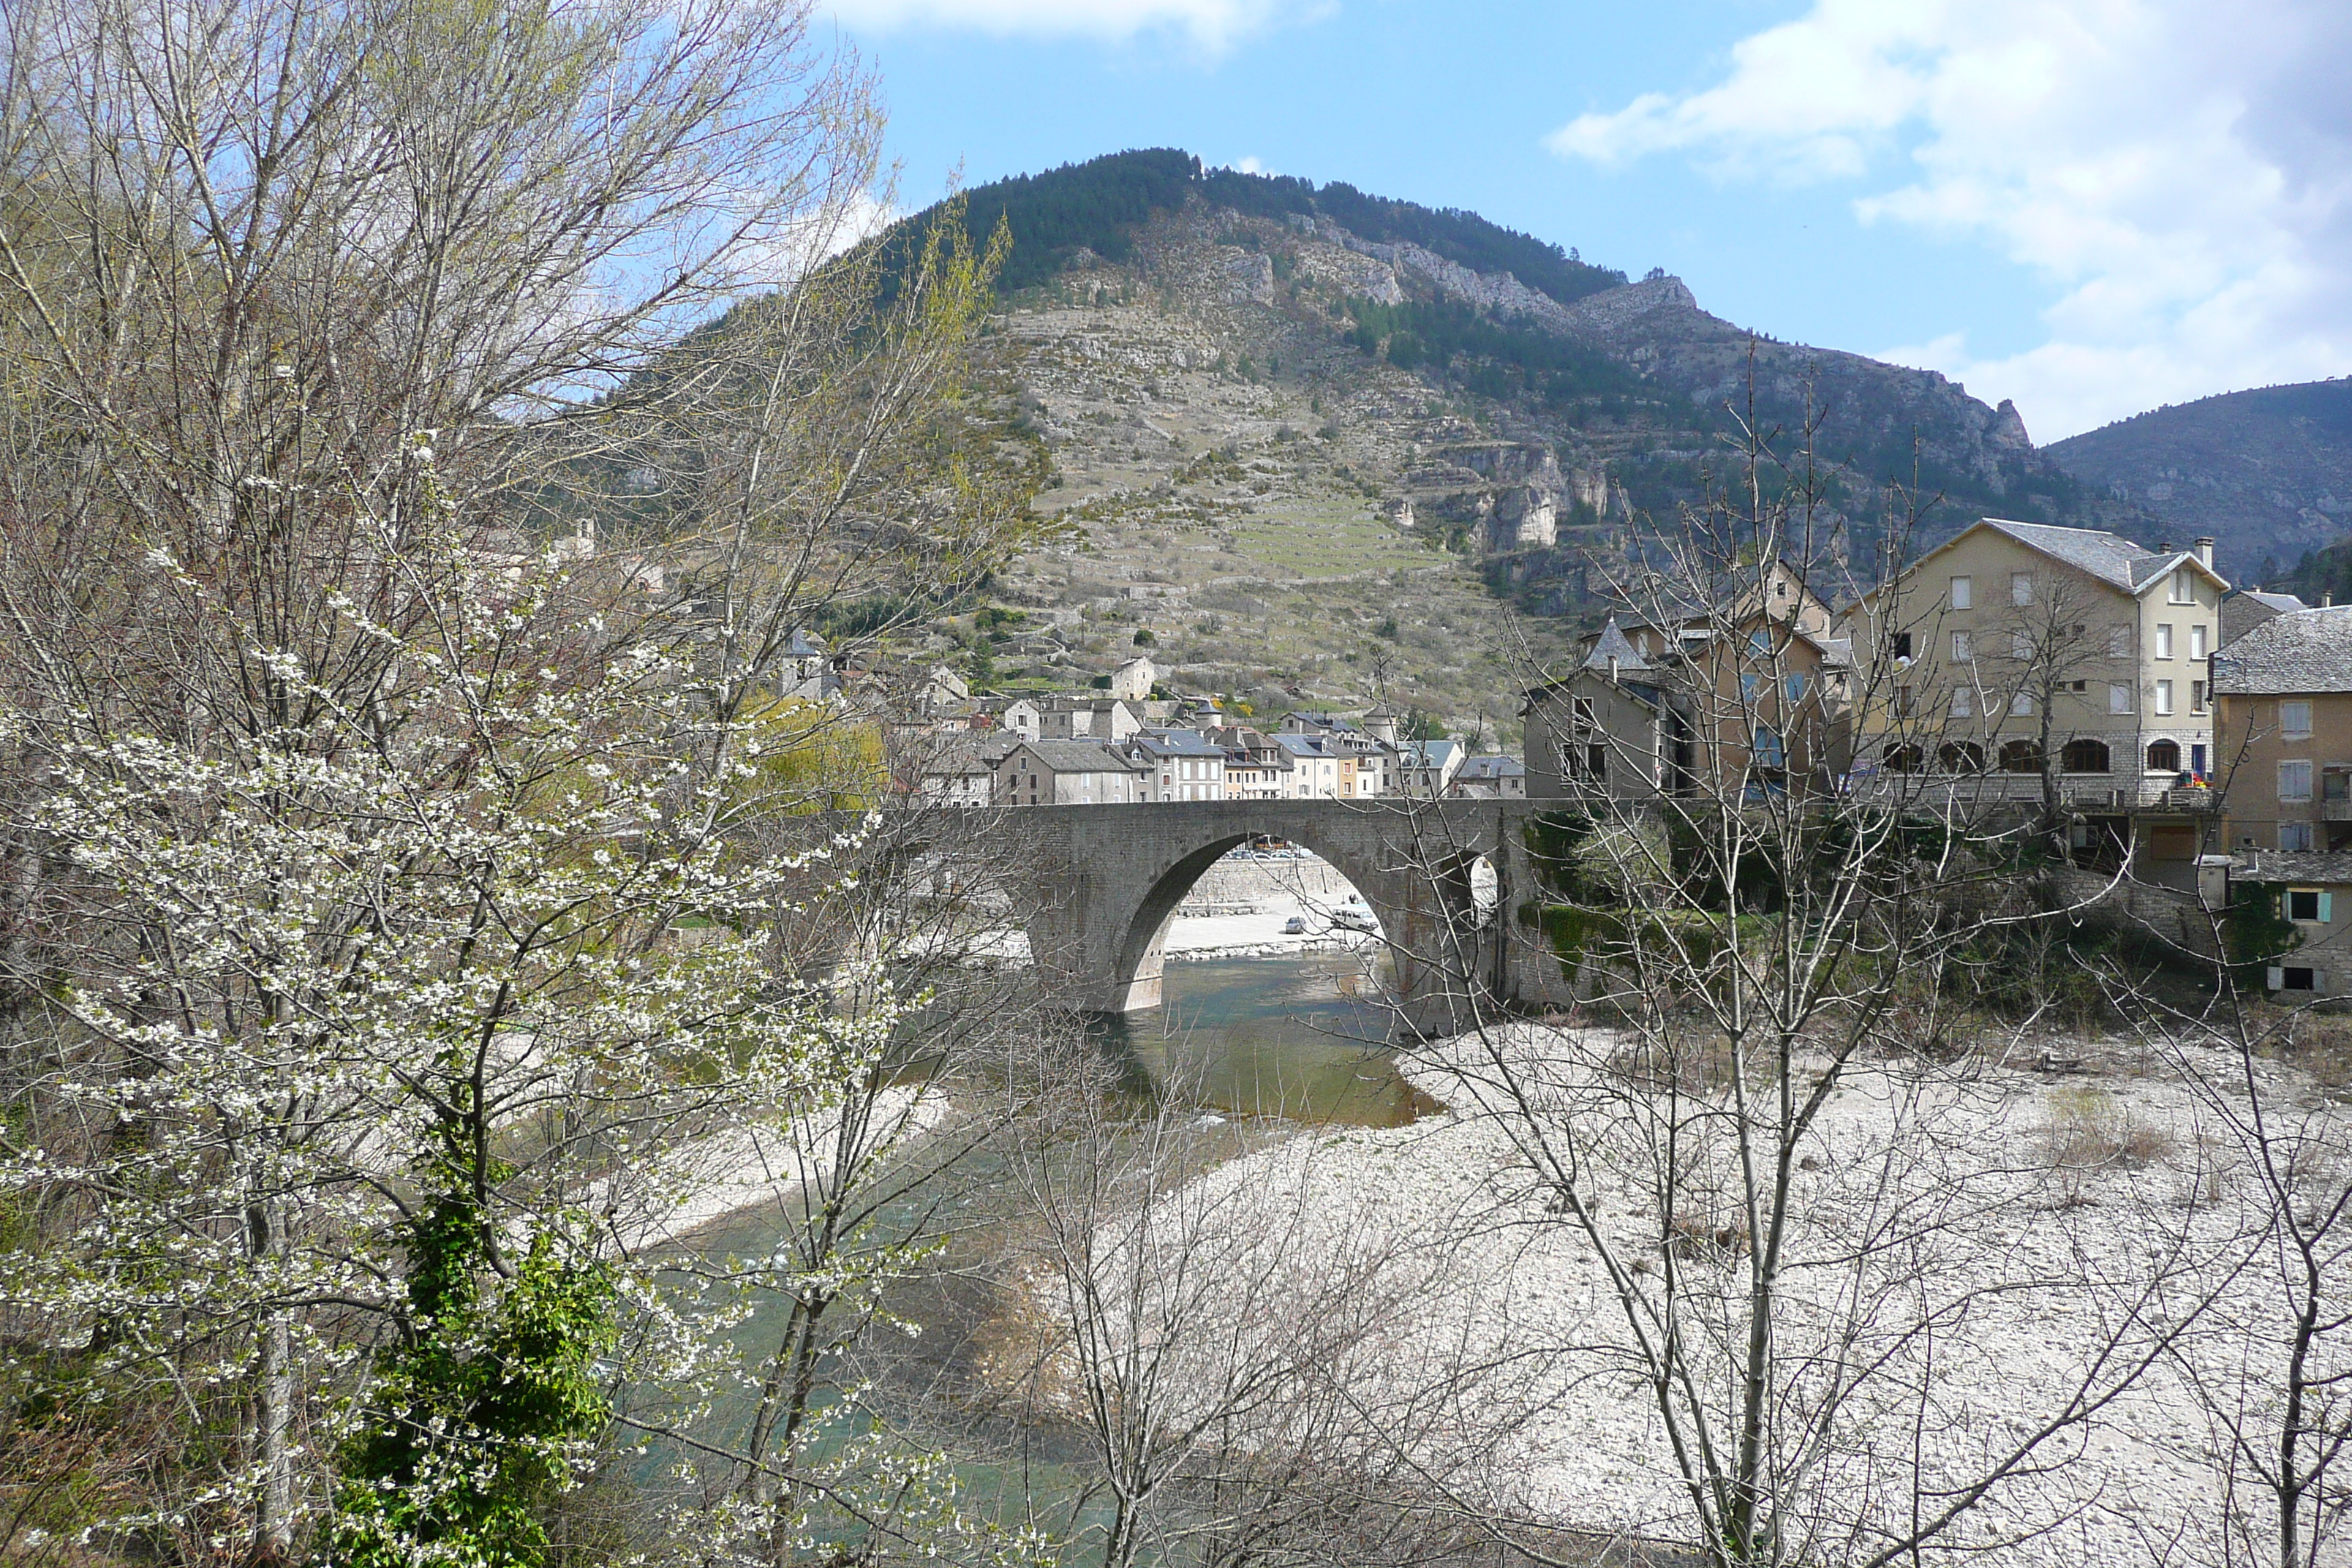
(1305, 1035)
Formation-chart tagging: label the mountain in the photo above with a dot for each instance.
(1308, 442)
(2268, 472)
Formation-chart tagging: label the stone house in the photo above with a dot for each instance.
(805, 671)
(956, 770)
(1729, 705)
(1133, 680)
(2284, 694)
(1107, 718)
(1178, 764)
(2313, 893)
(1012, 715)
(1490, 778)
(1425, 768)
(1066, 773)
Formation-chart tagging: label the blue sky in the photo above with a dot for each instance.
(2089, 205)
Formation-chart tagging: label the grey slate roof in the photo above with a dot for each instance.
(2265, 866)
(1612, 648)
(1175, 743)
(2282, 603)
(2110, 557)
(1078, 757)
(1477, 769)
(2302, 650)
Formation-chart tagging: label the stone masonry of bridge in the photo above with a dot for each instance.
(1104, 883)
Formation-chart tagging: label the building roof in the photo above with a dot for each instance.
(2302, 650)
(2120, 563)
(803, 646)
(1611, 648)
(959, 756)
(1175, 743)
(2266, 866)
(2282, 603)
(1300, 745)
(1075, 756)
(1477, 769)
(1428, 753)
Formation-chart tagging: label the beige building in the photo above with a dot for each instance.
(2285, 696)
(2019, 647)
(2282, 712)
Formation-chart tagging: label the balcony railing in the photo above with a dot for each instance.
(2336, 810)
(2077, 790)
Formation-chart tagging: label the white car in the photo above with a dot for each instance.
(1353, 916)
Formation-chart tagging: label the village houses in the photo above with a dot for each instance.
(2283, 696)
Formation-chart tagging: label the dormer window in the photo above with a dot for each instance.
(2184, 587)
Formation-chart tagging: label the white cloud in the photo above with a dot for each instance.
(1247, 166)
(2179, 170)
(1211, 25)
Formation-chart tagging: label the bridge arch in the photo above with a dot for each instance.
(1106, 880)
(1141, 951)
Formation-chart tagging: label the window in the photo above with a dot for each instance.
(1901, 644)
(1963, 592)
(2119, 642)
(2309, 905)
(2184, 587)
(2087, 756)
(2164, 697)
(2295, 780)
(2164, 756)
(1963, 647)
(1904, 759)
(2196, 697)
(2294, 977)
(1583, 711)
(1961, 757)
(2021, 646)
(2020, 588)
(2295, 721)
(1793, 687)
(2021, 757)
(2197, 641)
(1748, 686)
(1766, 749)
(1903, 708)
(1759, 643)
(2021, 704)
(2164, 639)
(2118, 698)
(2294, 838)
(1964, 702)
(1596, 762)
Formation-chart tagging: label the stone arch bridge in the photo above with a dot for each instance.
(1102, 884)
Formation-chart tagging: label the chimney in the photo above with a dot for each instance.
(2205, 552)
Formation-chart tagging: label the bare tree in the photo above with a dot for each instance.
(1760, 1137)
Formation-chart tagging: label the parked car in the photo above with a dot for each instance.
(1294, 926)
(1354, 917)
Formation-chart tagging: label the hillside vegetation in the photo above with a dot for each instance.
(1308, 441)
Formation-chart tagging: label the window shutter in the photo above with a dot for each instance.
(2327, 908)
(2277, 978)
